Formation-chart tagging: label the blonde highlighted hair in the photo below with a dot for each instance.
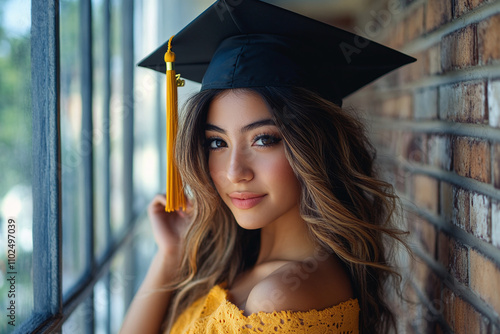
(347, 209)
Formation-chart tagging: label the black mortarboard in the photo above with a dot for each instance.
(250, 43)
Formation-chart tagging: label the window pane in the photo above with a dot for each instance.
(101, 133)
(72, 151)
(80, 319)
(146, 155)
(16, 289)
(128, 271)
(144, 247)
(101, 305)
(148, 124)
(117, 115)
(121, 286)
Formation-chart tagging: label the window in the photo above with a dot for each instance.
(16, 289)
(79, 163)
(81, 142)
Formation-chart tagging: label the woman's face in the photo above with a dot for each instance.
(247, 161)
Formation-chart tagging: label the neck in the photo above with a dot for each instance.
(286, 239)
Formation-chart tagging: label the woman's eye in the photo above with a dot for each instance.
(215, 143)
(266, 140)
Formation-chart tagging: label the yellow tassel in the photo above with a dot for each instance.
(175, 192)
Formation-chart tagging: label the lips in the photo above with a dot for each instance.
(245, 200)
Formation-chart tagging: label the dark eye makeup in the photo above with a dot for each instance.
(260, 140)
(266, 140)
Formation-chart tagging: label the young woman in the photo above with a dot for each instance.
(288, 228)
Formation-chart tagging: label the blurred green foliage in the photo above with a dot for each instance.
(15, 107)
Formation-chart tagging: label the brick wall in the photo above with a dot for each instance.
(436, 126)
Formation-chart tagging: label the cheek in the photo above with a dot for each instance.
(216, 169)
(281, 174)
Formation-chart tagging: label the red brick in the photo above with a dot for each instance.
(449, 98)
(398, 107)
(463, 6)
(471, 158)
(496, 165)
(448, 298)
(416, 70)
(426, 234)
(434, 59)
(446, 200)
(454, 257)
(405, 105)
(425, 104)
(389, 38)
(489, 40)
(485, 279)
(437, 13)
(463, 102)
(398, 39)
(495, 223)
(423, 68)
(434, 293)
(389, 107)
(461, 156)
(443, 250)
(461, 208)
(415, 23)
(439, 330)
(480, 216)
(459, 262)
(480, 161)
(473, 107)
(494, 103)
(421, 272)
(426, 192)
(393, 79)
(417, 149)
(459, 49)
(400, 148)
(439, 151)
(460, 316)
(467, 319)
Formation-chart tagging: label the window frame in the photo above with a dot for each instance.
(51, 309)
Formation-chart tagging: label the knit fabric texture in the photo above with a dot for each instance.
(213, 313)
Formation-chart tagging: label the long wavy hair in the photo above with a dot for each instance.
(346, 208)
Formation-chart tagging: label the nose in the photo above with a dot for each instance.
(240, 166)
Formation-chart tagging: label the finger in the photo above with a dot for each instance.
(189, 205)
(161, 199)
(187, 210)
(157, 203)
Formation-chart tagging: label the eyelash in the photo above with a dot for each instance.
(275, 140)
(209, 141)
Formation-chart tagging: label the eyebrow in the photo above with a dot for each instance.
(246, 128)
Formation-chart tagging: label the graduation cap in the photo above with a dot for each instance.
(250, 43)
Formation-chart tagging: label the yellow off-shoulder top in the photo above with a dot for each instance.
(213, 313)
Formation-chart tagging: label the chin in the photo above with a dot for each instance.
(249, 223)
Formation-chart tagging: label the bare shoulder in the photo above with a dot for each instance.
(301, 286)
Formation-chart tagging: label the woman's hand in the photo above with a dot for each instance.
(169, 228)
(147, 311)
